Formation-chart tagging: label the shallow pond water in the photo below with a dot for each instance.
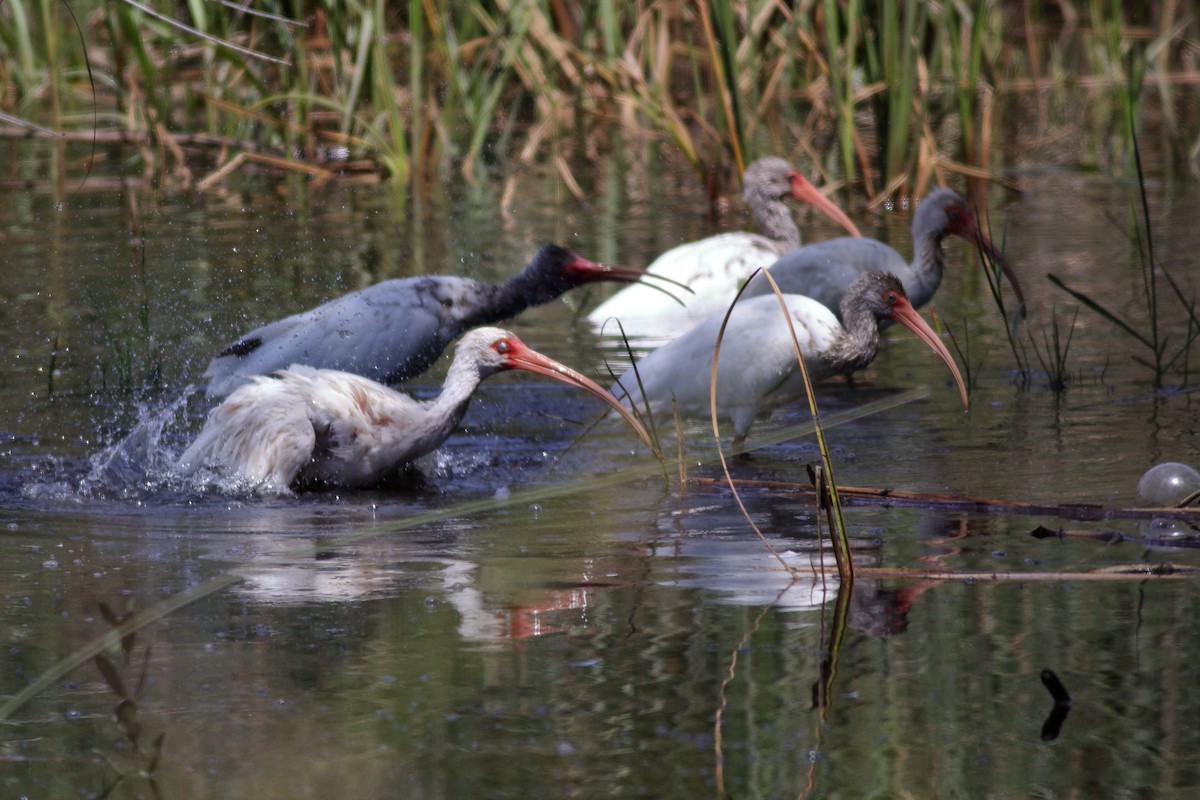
(546, 614)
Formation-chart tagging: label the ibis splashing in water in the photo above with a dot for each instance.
(318, 427)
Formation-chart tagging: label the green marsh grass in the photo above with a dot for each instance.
(1052, 356)
(827, 495)
(971, 369)
(885, 97)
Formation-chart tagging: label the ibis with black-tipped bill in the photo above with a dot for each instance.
(396, 329)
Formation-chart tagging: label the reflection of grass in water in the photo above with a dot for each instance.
(132, 362)
(52, 366)
(126, 712)
(519, 499)
(1162, 356)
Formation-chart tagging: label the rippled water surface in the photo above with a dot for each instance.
(545, 613)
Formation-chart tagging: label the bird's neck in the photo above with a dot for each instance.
(929, 262)
(774, 219)
(510, 298)
(855, 347)
(447, 409)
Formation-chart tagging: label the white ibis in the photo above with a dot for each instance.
(313, 427)
(397, 329)
(757, 368)
(825, 270)
(714, 268)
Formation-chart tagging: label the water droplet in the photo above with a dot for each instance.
(1167, 484)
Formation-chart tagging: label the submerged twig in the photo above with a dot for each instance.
(1132, 571)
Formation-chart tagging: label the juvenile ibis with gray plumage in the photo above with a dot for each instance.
(396, 329)
(757, 369)
(825, 270)
(714, 268)
(304, 426)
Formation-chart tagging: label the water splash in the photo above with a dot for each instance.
(141, 462)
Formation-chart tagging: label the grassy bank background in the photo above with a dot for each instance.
(884, 96)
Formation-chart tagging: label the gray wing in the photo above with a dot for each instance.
(824, 270)
(387, 332)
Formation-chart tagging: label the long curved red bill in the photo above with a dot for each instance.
(521, 356)
(906, 315)
(985, 244)
(584, 270)
(803, 190)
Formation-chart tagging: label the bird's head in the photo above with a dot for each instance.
(773, 178)
(493, 350)
(555, 270)
(883, 295)
(945, 213)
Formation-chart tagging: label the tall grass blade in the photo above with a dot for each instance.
(840, 45)
(1101, 310)
(722, 49)
(216, 40)
(841, 538)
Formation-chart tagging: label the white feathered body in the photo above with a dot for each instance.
(306, 425)
(713, 268)
(716, 267)
(757, 370)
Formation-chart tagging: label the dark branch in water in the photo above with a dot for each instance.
(893, 498)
